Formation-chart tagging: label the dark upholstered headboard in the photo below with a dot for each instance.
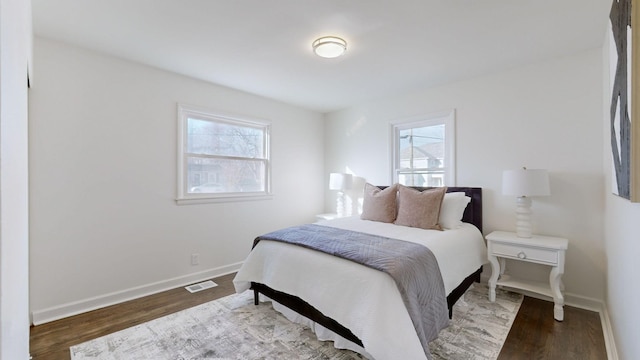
(473, 212)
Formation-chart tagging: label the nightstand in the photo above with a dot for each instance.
(545, 250)
(327, 216)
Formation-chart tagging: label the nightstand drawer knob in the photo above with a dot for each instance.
(522, 255)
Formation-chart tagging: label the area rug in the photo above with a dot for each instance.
(233, 328)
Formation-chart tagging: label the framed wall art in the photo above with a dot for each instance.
(625, 91)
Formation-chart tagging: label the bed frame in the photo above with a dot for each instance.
(472, 214)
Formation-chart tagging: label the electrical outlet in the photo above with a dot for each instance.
(195, 259)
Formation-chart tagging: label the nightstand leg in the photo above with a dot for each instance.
(555, 280)
(495, 272)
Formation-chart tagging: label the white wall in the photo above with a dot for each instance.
(104, 222)
(15, 38)
(546, 115)
(623, 251)
(622, 246)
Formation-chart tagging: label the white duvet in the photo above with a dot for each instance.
(364, 300)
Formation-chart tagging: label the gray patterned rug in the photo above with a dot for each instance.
(233, 328)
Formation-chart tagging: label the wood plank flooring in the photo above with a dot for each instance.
(51, 341)
(534, 334)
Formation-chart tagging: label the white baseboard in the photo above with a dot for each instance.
(570, 299)
(600, 307)
(609, 341)
(82, 306)
(582, 302)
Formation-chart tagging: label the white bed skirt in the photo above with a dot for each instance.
(322, 333)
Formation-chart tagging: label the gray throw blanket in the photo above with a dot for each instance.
(413, 267)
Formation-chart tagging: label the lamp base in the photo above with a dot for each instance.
(524, 229)
(343, 204)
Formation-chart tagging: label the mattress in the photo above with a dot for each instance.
(364, 300)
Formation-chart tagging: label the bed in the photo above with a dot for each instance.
(357, 307)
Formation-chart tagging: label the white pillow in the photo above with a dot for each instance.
(453, 206)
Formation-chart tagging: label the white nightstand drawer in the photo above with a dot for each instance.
(525, 253)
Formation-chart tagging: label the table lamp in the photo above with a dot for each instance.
(525, 183)
(340, 182)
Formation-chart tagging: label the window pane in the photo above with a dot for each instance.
(422, 178)
(216, 138)
(424, 150)
(206, 175)
(422, 147)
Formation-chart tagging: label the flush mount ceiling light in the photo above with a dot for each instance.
(329, 46)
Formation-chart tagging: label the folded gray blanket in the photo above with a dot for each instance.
(413, 267)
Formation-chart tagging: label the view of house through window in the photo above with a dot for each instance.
(223, 156)
(423, 152)
(422, 156)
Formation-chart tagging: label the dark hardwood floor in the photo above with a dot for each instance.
(51, 341)
(534, 334)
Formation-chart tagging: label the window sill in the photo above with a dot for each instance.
(193, 200)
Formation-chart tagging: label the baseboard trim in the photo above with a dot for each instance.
(600, 307)
(78, 307)
(582, 302)
(609, 341)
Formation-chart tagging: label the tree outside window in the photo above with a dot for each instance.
(222, 156)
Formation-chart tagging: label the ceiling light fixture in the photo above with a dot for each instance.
(329, 46)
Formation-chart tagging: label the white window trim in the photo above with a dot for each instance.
(448, 118)
(183, 197)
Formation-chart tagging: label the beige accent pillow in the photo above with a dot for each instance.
(379, 205)
(420, 209)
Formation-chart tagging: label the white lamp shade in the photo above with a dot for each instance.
(525, 182)
(339, 181)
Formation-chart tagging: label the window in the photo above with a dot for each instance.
(221, 157)
(423, 150)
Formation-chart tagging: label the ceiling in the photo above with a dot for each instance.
(264, 47)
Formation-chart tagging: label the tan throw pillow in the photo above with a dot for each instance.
(420, 209)
(379, 205)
